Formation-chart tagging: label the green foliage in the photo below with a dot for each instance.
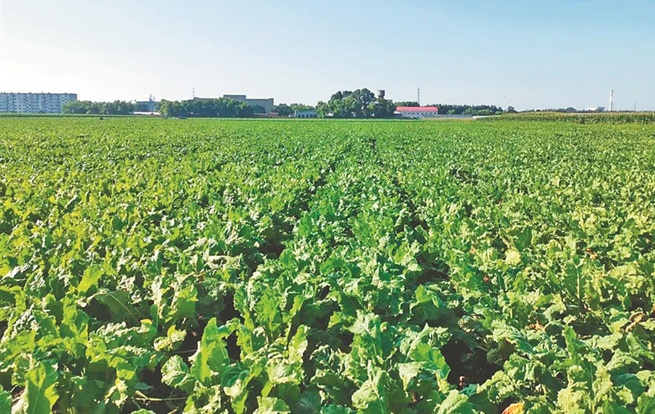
(99, 108)
(149, 265)
(207, 108)
(39, 395)
(360, 103)
(407, 103)
(473, 110)
(285, 110)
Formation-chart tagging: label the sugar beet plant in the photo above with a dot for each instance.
(326, 267)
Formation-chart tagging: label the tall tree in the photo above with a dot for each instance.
(360, 103)
(283, 110)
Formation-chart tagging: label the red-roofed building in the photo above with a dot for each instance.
(417, 111)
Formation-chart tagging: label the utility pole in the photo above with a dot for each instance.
(612, 100)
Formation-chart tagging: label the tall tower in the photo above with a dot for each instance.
(418, 96)
(611, 100)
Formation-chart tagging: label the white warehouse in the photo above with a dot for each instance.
(417, 112)
(34, 103)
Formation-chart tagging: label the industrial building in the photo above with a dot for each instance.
(417, 112)
(305, 114)
(34, 103)
(266, 103)
(149, 106)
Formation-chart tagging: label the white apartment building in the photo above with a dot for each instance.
(34, 103)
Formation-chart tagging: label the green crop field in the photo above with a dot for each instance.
(210, 266)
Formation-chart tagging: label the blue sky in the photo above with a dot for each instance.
(529, 54)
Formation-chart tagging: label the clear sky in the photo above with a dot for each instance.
(524, 53)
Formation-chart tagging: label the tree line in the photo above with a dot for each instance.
(474, 110)
(207, 108)
(98, 108)
(287, 110)
(360, 103)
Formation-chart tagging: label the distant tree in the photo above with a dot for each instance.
(301, 107)
(117, 108)
(76, 107)
(165, 108)
(511, 110)
(145, 107)
(451, 109)
(245, 111)
(206, 108)
(408, 103)
(98, 108)
(363, 99)
(289, 110)
(360, 103)
(344, 107)
(382, 108)
(322, 109)
(283, 110)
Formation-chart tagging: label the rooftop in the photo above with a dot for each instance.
(417, 109)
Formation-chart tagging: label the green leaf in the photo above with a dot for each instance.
(235, 385)
(171, 341)
(212, 354)
(513, 257)
(629, 388)
(409, 371)
(646, 405)
(335, 409)
(280, 372)
(615, 408)
(428, 305)
(175, 373)
(308, 403)
(372, 397)
(119, 304)
(83, 395)
(456, 403)
(12, 301)
(183, 304)
(268, 405)
(5, 401)
(622, 363)
(92, 275)
(40, 391)
(298, 344)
